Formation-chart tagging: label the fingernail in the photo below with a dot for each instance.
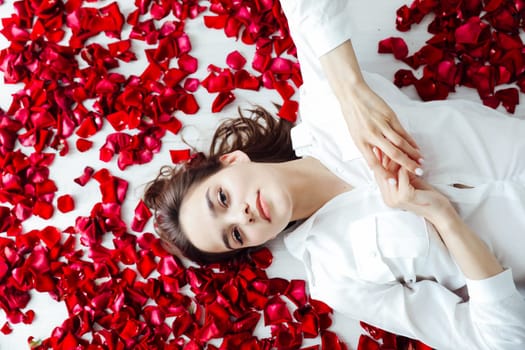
(392, 181)
(419, 171)
(421, 160)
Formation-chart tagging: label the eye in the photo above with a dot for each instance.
(221, 198)
(237, 236)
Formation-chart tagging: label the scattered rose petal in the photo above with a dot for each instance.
(222, 99)
(178, 156)
(235, 60)
(142, 215)
(83, 145)
(65, 203)
(394, 45)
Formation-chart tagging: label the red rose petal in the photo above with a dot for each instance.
(65, 203)
(262, 257)
(188, 63)
(85, 177)
(43, 209)
(83, 145)
(235, 60)
(394, 45)
(244, 80)
(509, 98)
(178, 156)
(142, 215)
(296, 292)
(221, 101)
(276, 312)
(6, 328)
(289, 110)
(105, 298)
(191, 84)
(330, 341)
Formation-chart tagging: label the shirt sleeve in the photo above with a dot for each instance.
(324, 24)
(493, 318)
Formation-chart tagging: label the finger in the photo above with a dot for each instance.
(402, 144)
(371, 157)
(399, 157)
(404, 180)
(398, 128)
(389, 165)
(420, 184)
(381, 173)
(404, 188)
(385, 186)
(378, 153)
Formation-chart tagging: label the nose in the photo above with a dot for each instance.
(244, 215)
(240, 215)
(248, 214)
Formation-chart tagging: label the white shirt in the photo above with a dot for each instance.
(388, 267)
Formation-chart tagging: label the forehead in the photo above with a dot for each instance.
(196, 221)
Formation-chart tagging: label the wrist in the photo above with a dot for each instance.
(447, 220)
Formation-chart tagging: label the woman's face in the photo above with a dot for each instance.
(242, 205)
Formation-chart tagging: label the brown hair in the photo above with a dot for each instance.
(260, 136)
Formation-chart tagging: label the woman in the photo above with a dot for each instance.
(438, 263)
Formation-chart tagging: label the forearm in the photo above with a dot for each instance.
(470, 252)
(343, 73)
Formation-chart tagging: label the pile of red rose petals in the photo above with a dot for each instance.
(255, 23)
(474, 43)
(378, 339)
(134, 294)
(131, 293)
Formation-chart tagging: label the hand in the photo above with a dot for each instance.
(412, 193)
(372, 123)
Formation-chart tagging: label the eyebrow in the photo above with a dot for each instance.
(213, 212)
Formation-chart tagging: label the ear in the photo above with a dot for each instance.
(234, 157)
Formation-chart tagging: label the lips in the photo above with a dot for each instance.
(262, 208)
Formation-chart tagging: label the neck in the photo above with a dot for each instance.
(311, 185)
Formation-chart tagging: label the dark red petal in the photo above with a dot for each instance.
(244, 80)
(509, 98)
(394, 45)
(262, 257)
(469, 32)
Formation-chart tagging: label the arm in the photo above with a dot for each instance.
(494, 316)
(321, 31)
(371, 122)
(471, 254)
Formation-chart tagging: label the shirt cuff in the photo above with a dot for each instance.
(325, 35)
(492, 289)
